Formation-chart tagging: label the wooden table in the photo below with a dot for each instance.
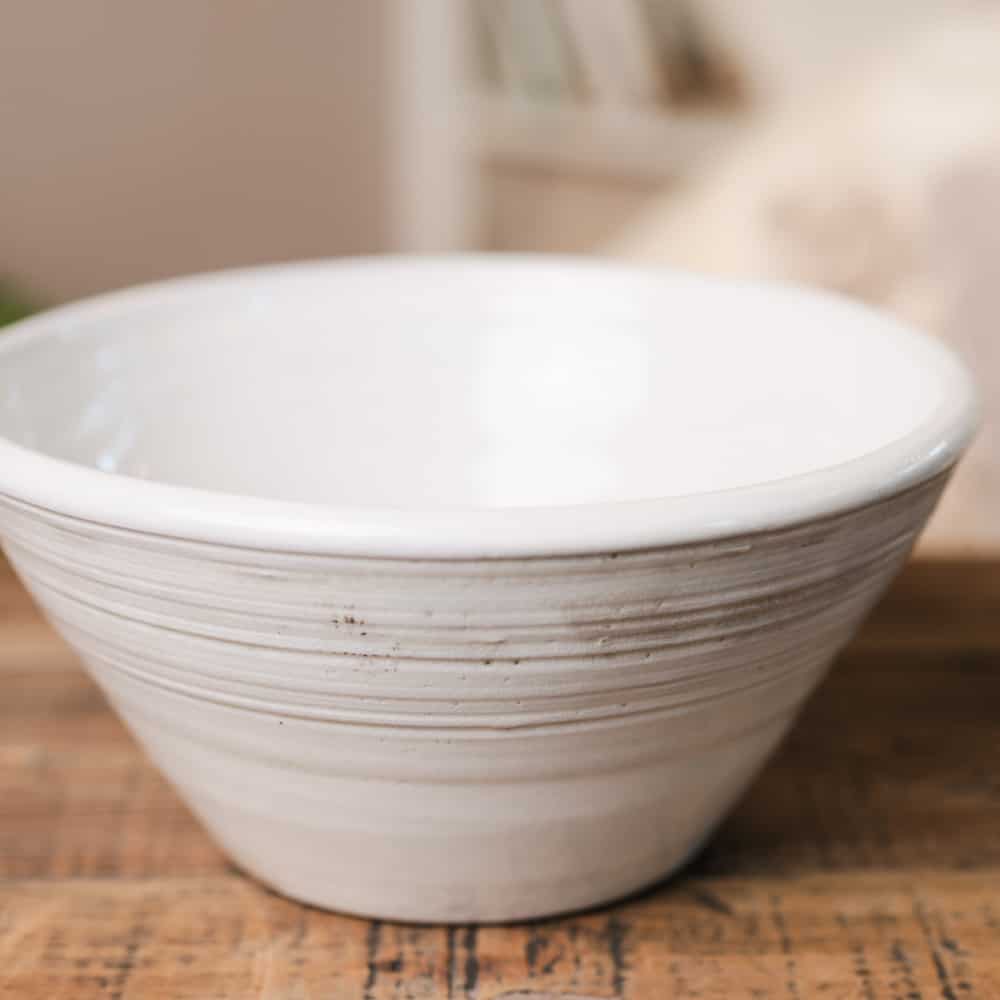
(864, 863)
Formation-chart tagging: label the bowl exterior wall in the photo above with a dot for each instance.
(461, 740)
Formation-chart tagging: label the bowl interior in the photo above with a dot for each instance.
(462, 382)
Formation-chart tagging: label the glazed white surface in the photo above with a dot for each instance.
(437, 710)
(469, 406)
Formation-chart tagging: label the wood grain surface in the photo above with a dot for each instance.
(865, 862)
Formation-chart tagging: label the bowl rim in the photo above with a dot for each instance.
(160, 508)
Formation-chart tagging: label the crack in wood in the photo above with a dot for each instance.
(373, 939)
(791, 965)
(615, 934)
(449, 960)
(471, 960)
(940, 970)
(710, 900)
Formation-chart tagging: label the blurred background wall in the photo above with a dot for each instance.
(140, 139)
(852, 145)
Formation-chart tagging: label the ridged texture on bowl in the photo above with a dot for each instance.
(461, 740)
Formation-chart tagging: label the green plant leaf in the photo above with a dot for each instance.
(12, 306)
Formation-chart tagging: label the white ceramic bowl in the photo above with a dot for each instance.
(465, 588)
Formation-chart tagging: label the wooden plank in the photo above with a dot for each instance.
(864, 862)
(840, 936)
